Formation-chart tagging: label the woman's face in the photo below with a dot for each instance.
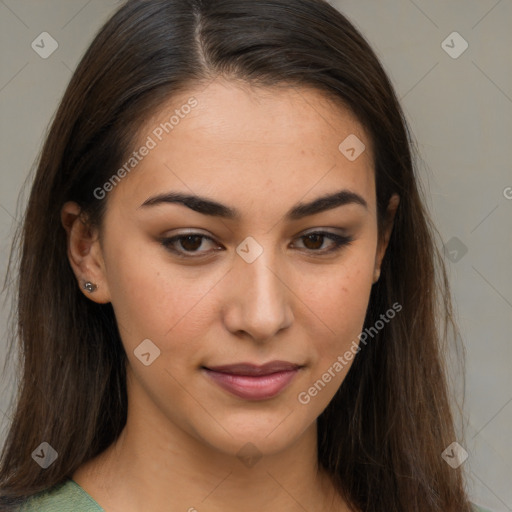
(261, 280)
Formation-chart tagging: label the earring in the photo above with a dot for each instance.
(90, 287)
(376, 275)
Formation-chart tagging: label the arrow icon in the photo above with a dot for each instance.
(454, 455)
(249, 455)
(351, 147)
(44, 455)
(44, 45)
(146, 352)
(454, 249)
(454, 45)
(247, 252)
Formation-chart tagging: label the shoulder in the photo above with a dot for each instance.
(64, 497)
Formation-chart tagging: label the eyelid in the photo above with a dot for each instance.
(339, 241)
(341, 232)
(168, 241)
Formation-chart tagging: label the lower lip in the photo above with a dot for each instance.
(253, 387)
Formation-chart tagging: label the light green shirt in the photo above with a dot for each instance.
(65, 497)
(70, 497)
(479, 509)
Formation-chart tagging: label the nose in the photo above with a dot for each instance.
(258, 301)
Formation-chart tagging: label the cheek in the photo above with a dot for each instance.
(338, 300)
(153, 298)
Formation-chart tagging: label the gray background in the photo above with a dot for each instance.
(460, 111)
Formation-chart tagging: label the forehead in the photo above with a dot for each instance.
(236, 111)
(236, 138)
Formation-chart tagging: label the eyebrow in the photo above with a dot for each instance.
(213, 208)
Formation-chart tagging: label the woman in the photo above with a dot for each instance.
(229, 287)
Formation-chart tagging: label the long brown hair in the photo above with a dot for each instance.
(382, 436)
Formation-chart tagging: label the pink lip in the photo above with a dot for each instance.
(252, 382)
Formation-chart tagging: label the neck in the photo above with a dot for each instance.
(156, 465)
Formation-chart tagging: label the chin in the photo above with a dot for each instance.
(253, 434)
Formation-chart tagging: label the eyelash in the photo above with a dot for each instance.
(339, 241)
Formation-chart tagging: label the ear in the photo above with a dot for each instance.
(386, 235)
(85, 253)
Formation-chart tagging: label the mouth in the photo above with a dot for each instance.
(253, 382)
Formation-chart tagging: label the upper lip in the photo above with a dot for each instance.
(253, 369)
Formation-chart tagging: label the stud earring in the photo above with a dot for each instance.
(90, 287)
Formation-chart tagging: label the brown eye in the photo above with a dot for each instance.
(191, 242)
(314, 241)
(188, 245)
